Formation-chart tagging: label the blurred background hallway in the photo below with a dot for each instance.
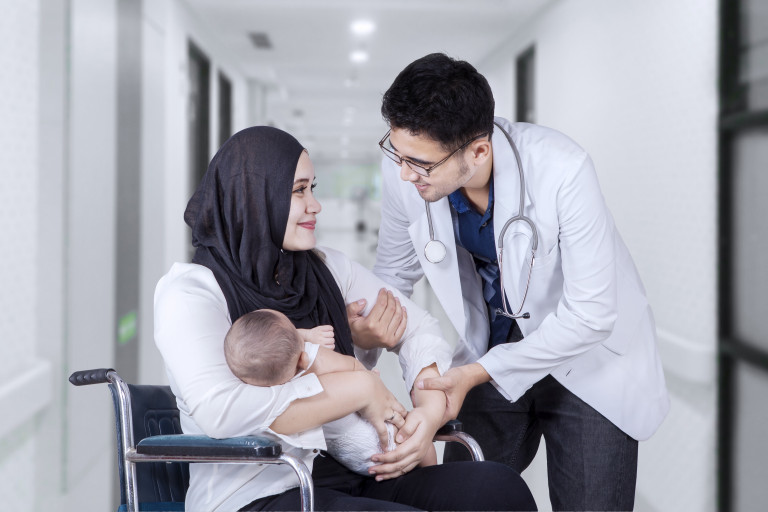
(111, 109)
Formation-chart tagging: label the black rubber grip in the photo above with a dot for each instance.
(450, 427)
(85, 377)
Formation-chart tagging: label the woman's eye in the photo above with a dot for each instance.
(314, 185)
(300, 190)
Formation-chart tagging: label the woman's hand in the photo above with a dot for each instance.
(383, 327)
(382, 408)
(415, 437)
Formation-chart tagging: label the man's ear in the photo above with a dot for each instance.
(480, 151)
(303, 363)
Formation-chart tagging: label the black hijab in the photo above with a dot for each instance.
(238, 216)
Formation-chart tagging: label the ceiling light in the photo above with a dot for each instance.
(260, 40)
(358, 56)
(362, 27)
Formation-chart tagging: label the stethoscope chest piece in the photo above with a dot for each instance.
(434, 251)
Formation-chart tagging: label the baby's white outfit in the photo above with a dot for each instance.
(350, 440)
(353, 441)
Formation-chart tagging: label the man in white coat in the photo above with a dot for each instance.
(508, 224)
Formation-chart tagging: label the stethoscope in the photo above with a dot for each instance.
(434, 250)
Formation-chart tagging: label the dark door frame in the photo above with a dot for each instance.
(735, 117)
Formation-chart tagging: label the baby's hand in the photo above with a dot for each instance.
(320, 335)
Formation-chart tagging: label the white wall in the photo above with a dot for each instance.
(168, 26)
(58, 149)
(19, 248)
(58, 129)
(178, 26)
(634, 82)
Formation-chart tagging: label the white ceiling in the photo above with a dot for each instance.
(316, 92)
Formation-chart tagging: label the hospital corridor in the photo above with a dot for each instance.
(111, 110)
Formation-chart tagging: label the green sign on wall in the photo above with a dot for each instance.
(126, 328)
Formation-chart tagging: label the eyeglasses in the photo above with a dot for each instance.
(418, 168)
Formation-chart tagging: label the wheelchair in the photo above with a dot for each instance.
(148, 431)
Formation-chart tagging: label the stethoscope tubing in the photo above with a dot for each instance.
(434, 250)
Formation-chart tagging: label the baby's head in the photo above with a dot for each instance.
(263, 348)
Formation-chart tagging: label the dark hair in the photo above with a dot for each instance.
(441, 98)
(260, 345)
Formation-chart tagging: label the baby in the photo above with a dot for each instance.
(263, 348)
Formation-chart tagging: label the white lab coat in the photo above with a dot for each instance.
(590, 327)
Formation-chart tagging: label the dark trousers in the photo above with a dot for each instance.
(591, 464)
(455, 486)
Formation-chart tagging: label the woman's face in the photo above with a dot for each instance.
(300, 231)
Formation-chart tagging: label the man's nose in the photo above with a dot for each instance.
(408, 174)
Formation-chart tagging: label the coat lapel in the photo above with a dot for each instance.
(444, 276)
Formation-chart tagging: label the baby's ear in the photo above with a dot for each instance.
(303, 363)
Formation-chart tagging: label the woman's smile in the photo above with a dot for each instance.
(308, 224)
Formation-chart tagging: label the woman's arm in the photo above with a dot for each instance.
(343, 393)
(328, 361)
(191, 321)
(421, 344)
(423, 353)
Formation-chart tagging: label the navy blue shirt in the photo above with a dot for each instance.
(476, 236)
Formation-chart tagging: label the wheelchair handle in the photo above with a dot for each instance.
(86, 377)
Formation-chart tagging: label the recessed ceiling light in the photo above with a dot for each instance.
(260, 40)
(358, 56)
(362, 27)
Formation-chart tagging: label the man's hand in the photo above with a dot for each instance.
(456, 383)
(383, 327)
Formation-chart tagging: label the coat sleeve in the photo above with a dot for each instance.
(191, 321)
(587, 308)
(396, 260)
(422, 344)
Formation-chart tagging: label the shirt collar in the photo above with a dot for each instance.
(461, 205)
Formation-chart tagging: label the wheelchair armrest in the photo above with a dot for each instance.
(453, 431)
(238, 450)
(449, 428)
(204, 446)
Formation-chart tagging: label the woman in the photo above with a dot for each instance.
(253, 218)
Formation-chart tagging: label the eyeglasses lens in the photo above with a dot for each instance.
(399, 161)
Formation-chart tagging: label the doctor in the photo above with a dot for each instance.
(508, 224)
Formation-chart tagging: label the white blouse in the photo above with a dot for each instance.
(191, 321)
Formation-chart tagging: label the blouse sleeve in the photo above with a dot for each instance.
(191, 321)
(422, 343)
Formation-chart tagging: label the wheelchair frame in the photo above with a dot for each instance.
(237, 450)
